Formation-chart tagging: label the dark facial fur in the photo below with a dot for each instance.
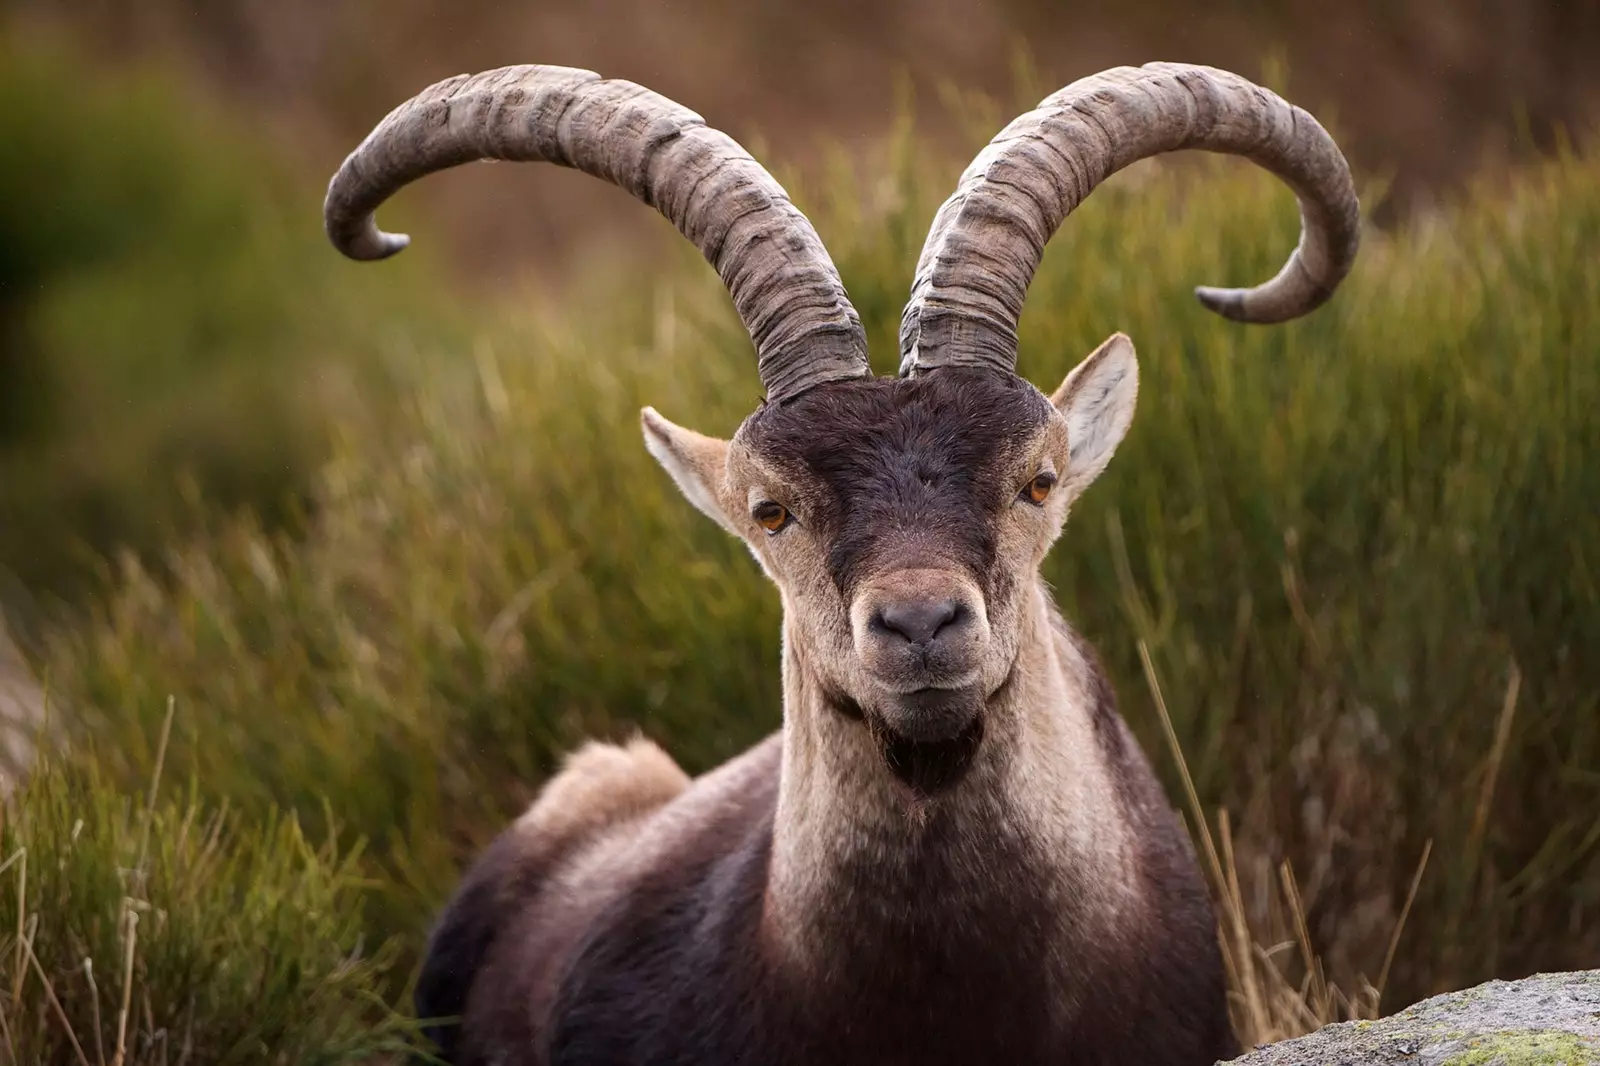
(905, 469)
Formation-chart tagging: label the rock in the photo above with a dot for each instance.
(1549, 1018)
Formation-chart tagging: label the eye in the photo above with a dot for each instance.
(1038, 490)
(772, 517)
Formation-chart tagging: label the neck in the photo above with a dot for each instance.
(1035, 815)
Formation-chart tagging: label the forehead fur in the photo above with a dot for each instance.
(909, 468)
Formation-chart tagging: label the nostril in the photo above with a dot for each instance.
(918, 621)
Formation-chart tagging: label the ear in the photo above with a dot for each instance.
(696, 462)
(1097, 400)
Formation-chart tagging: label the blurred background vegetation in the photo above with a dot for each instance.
(325, 564)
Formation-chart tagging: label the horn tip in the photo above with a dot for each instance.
(1229, 303)
(376, 245)
(362, 241)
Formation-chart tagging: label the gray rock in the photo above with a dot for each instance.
(1549, 1018)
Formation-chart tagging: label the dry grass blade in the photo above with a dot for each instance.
(5, 1032)
(18, 857)
(1246, 982)
(155, 785)
(1400, 925)
(1319, 998)
(1502, 738)
(19, 972)
(55, 1004)
(118, 1057)
(94, 1004)
(1193, 797)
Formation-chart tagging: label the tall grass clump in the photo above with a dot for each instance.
(1360, 551)
(137, 928)
(169, 320)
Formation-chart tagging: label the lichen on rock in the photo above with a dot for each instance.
(1534, 1045)
(1544, 1020)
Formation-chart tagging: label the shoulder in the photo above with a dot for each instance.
(678, 952)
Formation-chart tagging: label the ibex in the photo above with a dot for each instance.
(953, 851)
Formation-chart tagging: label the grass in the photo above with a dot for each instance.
(166, 304)
(1359, 552)
(1266, 1002)
(141, 929)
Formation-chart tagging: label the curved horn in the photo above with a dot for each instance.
(988, 238)
(782, 281)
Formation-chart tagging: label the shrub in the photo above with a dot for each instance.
(170, 320)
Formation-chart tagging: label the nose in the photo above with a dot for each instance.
(919, 621)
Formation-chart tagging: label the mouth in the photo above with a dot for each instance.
(927, 753)
(930, 738)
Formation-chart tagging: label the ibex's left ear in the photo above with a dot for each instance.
(1097, 401)
(698, 463)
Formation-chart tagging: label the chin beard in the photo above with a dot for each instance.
(928, 766)
(929, 739)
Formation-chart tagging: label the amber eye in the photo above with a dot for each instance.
(1038, 489)
(770, 516)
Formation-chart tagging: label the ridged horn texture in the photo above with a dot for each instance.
(988, 238)
(782, 281)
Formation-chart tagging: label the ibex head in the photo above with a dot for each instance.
(904, 519)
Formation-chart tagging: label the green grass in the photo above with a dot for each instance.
(167, 307)
(1362, 549)
(143, 929)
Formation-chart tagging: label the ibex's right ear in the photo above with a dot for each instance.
(698, 463)
(1097, 401)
